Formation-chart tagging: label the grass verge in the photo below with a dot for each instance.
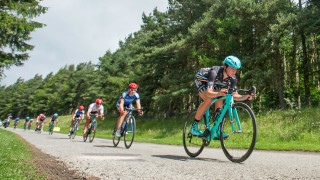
(15, 158)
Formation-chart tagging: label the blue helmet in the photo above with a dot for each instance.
(55, 114)
(232, 61)
(28, 117)
(18, 118)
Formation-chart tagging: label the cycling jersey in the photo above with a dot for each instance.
(53, 118)
(78, 112)
(41, 119)
(128, 99)
(206, 77)
(94, 109)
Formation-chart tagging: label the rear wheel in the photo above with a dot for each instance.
(129, 132)
(115, 139)
(193, 145)
(242, 139)
(51, 129)
(93, 131)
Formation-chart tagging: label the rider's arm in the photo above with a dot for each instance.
(121, 106)
(139, 107)
(238, 97)
(101, 112)
(89, 111)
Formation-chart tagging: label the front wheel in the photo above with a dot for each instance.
(129, 132)
(115, 139)
(193, 145)
(242, 133)
(74, 131)
(93, 131)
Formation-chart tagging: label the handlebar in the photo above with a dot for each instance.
(227, 85)
(133, 109)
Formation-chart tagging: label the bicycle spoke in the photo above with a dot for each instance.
(242, 136)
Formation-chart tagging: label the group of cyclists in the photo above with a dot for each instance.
(95, 109)
(204, 83)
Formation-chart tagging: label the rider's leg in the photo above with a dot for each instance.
(71, 125)
(120, 120)
(85, 127)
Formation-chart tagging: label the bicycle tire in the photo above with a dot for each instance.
(92, 132)
(129, 132)
(51, 129)
(85, 137)
(240, 144)
(193, 145)
(74, 131)
(115, 140)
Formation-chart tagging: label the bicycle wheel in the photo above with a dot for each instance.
(86, 137)
(93, 131)
(115, 139)
(242, 139)
(74, 131)
(51, 129)
(129, 132)
(193, 145)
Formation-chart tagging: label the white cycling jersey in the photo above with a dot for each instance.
(93, 108)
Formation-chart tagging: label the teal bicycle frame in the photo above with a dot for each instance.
(227, 106)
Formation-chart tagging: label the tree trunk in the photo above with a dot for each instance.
(295, 62)
(280, 78)
(305, 64)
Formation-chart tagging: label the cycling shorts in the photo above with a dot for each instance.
(124, 106)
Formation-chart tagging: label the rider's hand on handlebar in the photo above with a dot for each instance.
(140, 113)
(222, 92)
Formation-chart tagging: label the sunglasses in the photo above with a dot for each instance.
(133, 89)
(99, 103)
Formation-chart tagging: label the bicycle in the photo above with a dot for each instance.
(15, 125)
(74, 129)
(30, 123)
(38, 127)
(51, 127)
(242, 136)
(128, 128)
(91, 131)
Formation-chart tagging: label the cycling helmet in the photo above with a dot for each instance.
(232, 61)
(99, 101)
(41, 116)
(55, 114)
(133, 86)
(81, 107)
(28, 117)
(18, 118)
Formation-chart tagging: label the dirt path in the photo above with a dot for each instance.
(154, 161)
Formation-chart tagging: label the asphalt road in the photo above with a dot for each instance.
(153, 161)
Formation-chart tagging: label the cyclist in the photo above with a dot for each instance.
(53, 118)
(41, 119)
(126, 100)
(30, 123)
(79, 113)
(16, 121)
(26, 122)
(94, 108)
(204, 83)
(7, 121)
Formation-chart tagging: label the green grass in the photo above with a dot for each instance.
(277, 130)
(15, 158)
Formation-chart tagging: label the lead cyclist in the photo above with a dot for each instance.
(204, 83)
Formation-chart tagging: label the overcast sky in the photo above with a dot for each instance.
(80, 31)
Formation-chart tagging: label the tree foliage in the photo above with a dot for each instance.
(277, 42)
(16, 24)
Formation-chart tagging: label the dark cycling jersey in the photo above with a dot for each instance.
(53, 118)
(206, 77)
(79, 112)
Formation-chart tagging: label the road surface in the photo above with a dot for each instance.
(153, 161)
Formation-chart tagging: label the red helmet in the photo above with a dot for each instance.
(133, 86)
(99, 101)
(81, 107)
(41, 116)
